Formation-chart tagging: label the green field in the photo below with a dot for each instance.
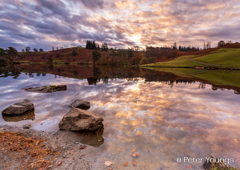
(224, 56)
(221, 58)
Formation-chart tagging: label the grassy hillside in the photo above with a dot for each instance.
(224, 56)
(220, 58)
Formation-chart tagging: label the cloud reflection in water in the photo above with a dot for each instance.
(160, 122)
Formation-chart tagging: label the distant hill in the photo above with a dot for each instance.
(62, 56)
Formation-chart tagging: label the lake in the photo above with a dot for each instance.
(160, 115)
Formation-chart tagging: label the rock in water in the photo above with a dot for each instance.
(214, 163)
(80, 104)
(19, 108)
(47, 89)
(81, 120)
(28, 126)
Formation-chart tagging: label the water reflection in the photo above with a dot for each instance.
(16, 118)
(191, 119)
(104, 74)
(94, 139)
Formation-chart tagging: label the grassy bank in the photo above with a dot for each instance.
(225, 58)
(216, 77)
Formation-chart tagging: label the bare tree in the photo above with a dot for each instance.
(28, 49)
(35, 50)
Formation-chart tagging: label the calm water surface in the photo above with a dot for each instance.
(161, 120)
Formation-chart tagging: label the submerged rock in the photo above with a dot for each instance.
(215, 163)
(19, 108)
(80, 104)
(46, 89)
(94, 139)
(81, 120)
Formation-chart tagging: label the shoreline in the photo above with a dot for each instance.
(66, 143)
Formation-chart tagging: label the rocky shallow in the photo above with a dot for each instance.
(47, 89)
(73, 153)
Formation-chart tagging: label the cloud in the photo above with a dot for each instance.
(119, 23)
(93, 3)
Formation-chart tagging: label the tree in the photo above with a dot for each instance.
(40, 50)
(175, 46)
(180, 48)
(74, 52)
(2, 53)
(35, 50)
(50, 61)
(175, 53)
(28, 49)
(130, 53)
(152, 59)
(95, 56)
(144, 60)
(91, 45)
(104, 46)
(221, 43)
(11, 54)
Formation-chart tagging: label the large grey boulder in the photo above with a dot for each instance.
(80, 104)
(47, 89)
(81, 120)
(19, 108)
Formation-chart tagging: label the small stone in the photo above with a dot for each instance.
(28, 126)
(80, 104)
(83, 146)
(64, 156)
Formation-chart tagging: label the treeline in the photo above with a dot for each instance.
(161, 53)
(222, 43)
(117, 57)
(105, 56)
(9, 55)
(91, 45)
(28, 49)
(188, 49)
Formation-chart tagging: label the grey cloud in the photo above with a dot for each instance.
(91, 4)
(227, 32)
(55, 6)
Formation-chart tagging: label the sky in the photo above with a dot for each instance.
(120, 23)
